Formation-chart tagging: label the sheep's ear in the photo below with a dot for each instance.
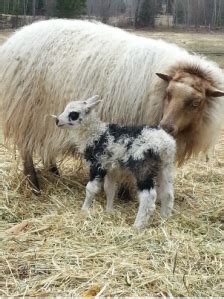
(164, 77)
(213, 92)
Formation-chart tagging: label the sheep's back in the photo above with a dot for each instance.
(48, 63)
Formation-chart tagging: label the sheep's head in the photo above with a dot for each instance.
(187, 98)
(75, 112)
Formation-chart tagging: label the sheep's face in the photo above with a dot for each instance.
(187, 97)
(75, 112)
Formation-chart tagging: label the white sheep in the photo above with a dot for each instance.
(145, 152)
(44, 64)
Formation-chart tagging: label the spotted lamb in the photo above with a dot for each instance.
(147, 153)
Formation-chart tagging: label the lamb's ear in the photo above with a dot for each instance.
(92, 103)
(92, 99)
(164, 77)
(213, 92)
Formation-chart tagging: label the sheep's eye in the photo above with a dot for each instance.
(73, 115)
(195, 104)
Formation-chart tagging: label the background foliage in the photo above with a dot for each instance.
(188, 13)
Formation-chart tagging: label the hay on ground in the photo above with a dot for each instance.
(67, 252)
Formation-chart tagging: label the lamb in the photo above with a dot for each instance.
(48, 62)
(148, 153)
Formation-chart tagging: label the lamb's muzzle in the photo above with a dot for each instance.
(57, 121)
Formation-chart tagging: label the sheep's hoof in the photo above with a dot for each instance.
(34, 185)
(36, 192)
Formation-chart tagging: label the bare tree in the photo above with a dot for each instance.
(49, 7)
(137, 12)
(34, 8)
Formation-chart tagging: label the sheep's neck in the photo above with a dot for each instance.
(89, 130)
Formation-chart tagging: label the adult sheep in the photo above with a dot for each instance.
(46, 64)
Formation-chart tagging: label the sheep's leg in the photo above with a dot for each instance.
(110, 188)
(147, 200)
(92, 188)
(165, 190)
(52, 167)
(30, 173)
(54, 170)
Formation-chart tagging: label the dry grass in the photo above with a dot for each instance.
(66, 252)
(209, 44)
(4, 35)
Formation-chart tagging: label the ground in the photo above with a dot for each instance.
(64, 252)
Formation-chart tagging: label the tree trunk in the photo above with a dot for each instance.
(137, 12)
(34, 8)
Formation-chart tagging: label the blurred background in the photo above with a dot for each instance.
(193, 14)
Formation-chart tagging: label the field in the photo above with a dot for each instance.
(64, 252)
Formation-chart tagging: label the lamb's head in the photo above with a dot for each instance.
(76, 112)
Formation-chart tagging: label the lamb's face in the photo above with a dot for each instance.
(75, 112)
(72, 115)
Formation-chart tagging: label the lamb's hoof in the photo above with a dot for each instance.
(138, 225)
(165, 213)
(85, 209)
(110, 210)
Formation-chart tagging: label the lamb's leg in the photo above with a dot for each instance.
(30, 173)
(92, 188)
(165, 189)
(147, 200)
(110, 188)
(124, 193)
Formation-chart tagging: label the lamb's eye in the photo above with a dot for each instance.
(73, 115)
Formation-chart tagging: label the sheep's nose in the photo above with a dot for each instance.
(170, 129)
(57, 121)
